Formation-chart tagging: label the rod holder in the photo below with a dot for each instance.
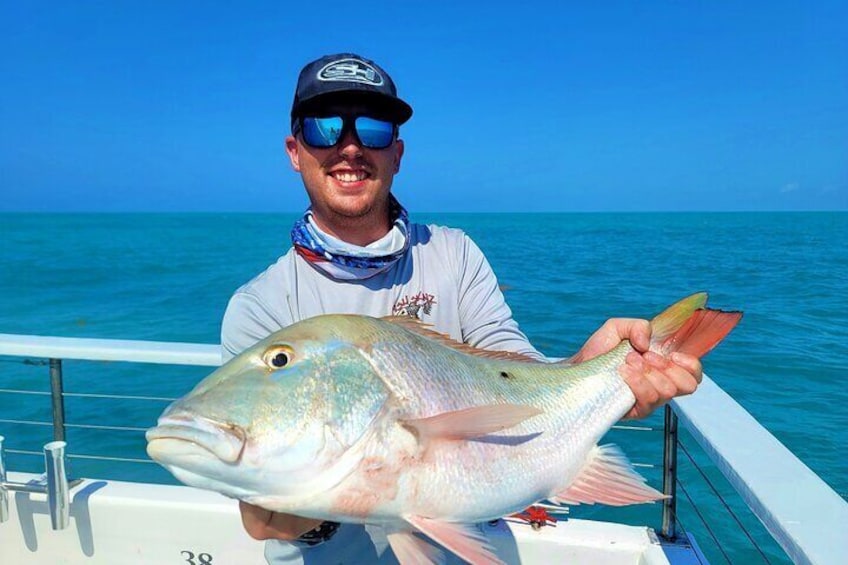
(58, 497)
(55, 485)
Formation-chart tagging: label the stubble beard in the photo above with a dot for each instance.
(348, 212)
(350, 216)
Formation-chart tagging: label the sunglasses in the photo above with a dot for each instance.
(326, 131)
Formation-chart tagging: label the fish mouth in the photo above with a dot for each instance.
(179, 435)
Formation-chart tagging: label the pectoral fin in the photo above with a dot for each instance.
(471, 423)
(608, 478)
(466, 541)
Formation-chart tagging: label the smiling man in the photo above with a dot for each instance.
(345, 120)
(355, 251)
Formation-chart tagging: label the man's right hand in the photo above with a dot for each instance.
(264, 524)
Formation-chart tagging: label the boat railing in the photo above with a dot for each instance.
(801, 512)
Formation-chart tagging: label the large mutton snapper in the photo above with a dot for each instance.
(382, 421)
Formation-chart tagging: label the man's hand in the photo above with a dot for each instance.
(263, 524)
(653, 378)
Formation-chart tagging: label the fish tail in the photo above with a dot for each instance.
(689, 327)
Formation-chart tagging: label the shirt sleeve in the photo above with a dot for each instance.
(485, 317)
(246, 321)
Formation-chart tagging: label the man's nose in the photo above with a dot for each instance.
(349, 145)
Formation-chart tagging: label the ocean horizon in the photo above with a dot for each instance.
(167, 276)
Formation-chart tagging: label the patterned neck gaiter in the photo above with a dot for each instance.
(344, 261)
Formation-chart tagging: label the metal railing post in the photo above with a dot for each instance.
(4, 495)
(57, 396)
(669, 515)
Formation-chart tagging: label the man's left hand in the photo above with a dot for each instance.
(654, 379)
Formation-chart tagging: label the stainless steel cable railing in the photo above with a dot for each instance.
(723, 502)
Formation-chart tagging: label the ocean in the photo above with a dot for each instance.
(168, 277)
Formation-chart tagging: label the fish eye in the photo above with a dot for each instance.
(278, 356)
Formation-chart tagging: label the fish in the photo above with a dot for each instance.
(384, 421)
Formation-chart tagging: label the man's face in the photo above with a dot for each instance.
(347, 182)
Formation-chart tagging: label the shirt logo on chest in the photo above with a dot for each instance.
(416, 306)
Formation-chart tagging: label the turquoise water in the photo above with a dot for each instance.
(168, 277)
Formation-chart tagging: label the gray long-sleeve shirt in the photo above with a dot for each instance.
(443, 279)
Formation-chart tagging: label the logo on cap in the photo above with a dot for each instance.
(351, 70)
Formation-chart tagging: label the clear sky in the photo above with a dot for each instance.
(519, 106)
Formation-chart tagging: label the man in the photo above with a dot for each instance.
(355, 251)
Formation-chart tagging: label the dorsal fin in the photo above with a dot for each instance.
(417, 326)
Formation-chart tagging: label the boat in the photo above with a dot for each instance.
(56, 517)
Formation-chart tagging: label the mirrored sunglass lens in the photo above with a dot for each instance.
(322, 132)
(376, 134)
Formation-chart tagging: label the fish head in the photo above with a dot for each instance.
(287, 417)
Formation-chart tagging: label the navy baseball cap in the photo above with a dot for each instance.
(347, 77)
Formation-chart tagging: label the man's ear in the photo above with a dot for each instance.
(292, 151)
(398, 154)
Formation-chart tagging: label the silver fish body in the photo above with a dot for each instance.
(357, 419)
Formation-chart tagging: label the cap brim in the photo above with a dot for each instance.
(384, 106)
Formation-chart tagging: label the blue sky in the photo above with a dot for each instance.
(613, 106)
